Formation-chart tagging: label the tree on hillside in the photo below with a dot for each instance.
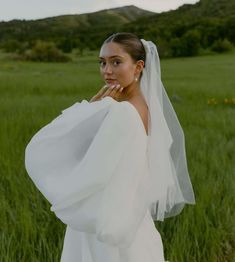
(187, 45)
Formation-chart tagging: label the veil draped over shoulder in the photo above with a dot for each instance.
(170, 181)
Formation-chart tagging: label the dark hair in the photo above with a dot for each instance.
(130, 43)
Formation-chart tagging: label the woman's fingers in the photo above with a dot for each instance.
(113, 91)
(103, 90)
(100, 94)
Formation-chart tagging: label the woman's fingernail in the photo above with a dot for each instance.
(112, 86)
(117, 86)
(121, 89)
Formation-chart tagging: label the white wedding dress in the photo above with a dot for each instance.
(91, 165)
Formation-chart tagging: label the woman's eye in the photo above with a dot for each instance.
(102, 63)
(116, 62)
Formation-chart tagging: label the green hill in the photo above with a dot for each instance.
(70, 25)
(204, 25)
(181, 32)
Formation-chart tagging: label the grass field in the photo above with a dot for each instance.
(32, 94)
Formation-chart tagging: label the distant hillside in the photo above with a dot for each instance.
(206, 24)
(181, 32)
(71, 25)
(192, 13)
(100, 19)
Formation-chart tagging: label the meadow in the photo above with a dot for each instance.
(202, 90)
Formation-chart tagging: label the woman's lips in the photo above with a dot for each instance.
(111, 80)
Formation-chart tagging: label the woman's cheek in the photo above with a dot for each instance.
(124, 77)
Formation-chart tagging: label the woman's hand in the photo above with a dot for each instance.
(108, 90)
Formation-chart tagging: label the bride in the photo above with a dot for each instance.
(122, 75)
(112, 166)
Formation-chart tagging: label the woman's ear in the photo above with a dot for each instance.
(139, 66)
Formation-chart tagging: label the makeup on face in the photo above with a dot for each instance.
(116, 67)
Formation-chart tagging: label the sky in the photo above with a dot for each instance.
(36, 9)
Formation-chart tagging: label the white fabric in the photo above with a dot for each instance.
(171, 187)
(91, 165)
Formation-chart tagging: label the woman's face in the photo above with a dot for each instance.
(116, 66)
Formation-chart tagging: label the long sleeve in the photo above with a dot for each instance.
(93, 170)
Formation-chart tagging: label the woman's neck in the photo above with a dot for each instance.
(130, 92)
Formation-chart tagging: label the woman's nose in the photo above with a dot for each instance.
(107, 69)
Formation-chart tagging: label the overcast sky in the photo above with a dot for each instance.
(34, 9)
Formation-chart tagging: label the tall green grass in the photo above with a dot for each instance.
(32, 94)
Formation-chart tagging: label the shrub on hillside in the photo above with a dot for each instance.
(45, 52)
(222, 45)
(10, 45)
(14, 46)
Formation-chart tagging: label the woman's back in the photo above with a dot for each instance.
(142, 108)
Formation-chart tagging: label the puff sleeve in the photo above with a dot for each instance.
(93, 170)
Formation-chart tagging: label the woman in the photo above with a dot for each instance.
(112, 166)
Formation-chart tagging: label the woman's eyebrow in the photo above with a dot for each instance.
(112, 56)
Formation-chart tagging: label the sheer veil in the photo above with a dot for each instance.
(171, 187)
